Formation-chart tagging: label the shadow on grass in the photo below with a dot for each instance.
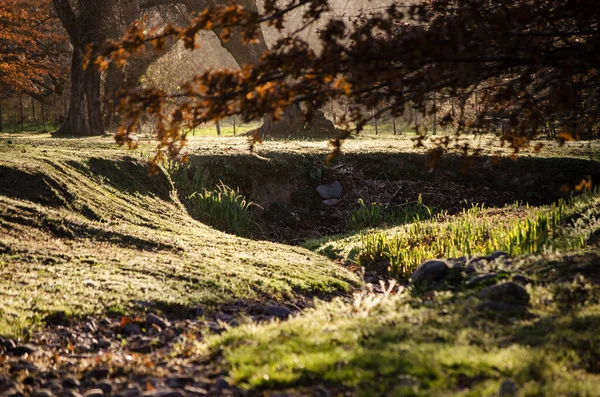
(568, 334)
(65, 228)
(32, 186)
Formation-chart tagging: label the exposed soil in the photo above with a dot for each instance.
(291, 211)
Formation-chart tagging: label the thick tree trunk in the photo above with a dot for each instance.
(84, 26)
(84, 117)
(293, 120)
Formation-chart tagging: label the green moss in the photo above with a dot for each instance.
(88, 232)
(407, 345)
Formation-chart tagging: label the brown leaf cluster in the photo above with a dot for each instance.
(532, 63)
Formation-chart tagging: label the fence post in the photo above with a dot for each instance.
(43, 117)
(21, 110)
(218, 125)
(394, 124)
(33, 111)
(234, 125)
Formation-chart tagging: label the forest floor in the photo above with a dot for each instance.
(109, 287)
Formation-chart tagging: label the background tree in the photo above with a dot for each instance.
(31, 49)
(84, 22)
(530, 61)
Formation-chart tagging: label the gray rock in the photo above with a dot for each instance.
(472, 268)
(90, 327)
(105, 386)
(6, 383)
(55, 387)
(495, 255)
(101, 343)
(430, 270)
(70, 382)
(501, 308)
(278, 311)
(153, 319)
(196, 391)
(481, 278)
(42, 393)
(198, 311)
(22, 350)
(458, 262)
(509, 292)
(331, 191)
(331, 202)
(98, 373)
(179, 382)
(518, 278)
(9, 344)
(70, 393)
(163, 393)
(221, 383)
(96, 392)
(133, 391)
(143, 346)
(30, 380)
(132, 329)
(508, 388)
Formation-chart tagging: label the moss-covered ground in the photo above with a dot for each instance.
(86, 231)
(89, 242)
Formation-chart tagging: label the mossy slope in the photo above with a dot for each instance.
(89, 231)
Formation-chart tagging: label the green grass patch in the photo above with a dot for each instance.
(517, 229)
(375, 214)
(222, 207)
(408, 345)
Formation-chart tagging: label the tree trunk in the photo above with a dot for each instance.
(84, 117)
(84, 26)
(292, 121)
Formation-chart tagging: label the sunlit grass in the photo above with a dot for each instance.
(402, 345)
(86, 231)
(227, 129)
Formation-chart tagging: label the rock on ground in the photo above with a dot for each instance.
(430, 270)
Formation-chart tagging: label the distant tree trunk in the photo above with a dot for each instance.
(218, 125)
(84, 27)
(22, 117)
(293, 120)
(43, 117)
(84, 117)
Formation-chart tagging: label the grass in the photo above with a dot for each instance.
(518, 229)
(404, 345)
(224, 208)
(226, 129)
(86, 231)
(375, 214)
